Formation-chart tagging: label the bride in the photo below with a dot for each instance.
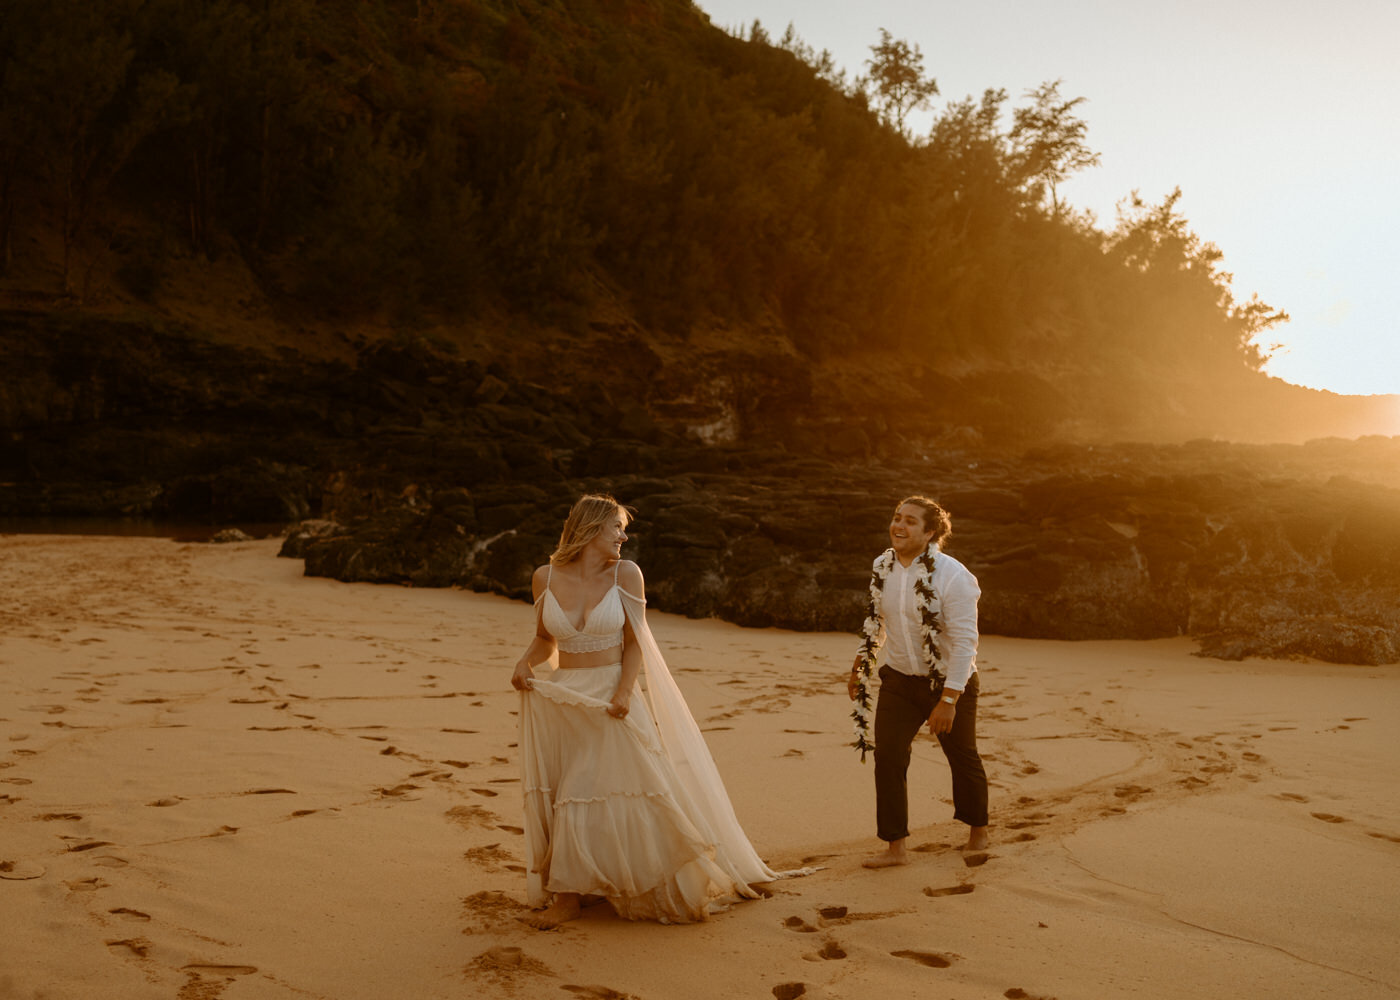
(622, 798)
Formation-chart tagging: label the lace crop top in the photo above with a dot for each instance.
(602, 626)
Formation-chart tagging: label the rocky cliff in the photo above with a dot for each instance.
(762, 481)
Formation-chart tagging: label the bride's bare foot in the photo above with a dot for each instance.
(976, 839)
(891, 857)
(565, 907)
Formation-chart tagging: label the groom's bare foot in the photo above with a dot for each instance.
(891, 857)
(976, 839)
(565, 907)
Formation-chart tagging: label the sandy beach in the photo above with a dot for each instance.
(220, 779)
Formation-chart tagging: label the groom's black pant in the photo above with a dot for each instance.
(903, 709)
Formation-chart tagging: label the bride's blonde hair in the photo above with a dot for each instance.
(589, 516)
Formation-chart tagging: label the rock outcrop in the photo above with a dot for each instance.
(761, 492)
(1244, 548)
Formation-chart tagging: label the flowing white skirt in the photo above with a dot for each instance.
(604, 812)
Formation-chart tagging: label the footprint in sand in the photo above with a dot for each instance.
(399, 792)
(799, 925)
(932, 960)
(790, 991)
(136, 946)
(20, 871)
(208, 982)
(503, 966)
(488, 908)
(219, 971)
(129, 914)
(89, 845)
(1384, 836)
(598, 993)
(490, 857)
(470, 816)
(831, 950)
(951, 890)
(976, 860)
(1329, 818)
(1293, 797)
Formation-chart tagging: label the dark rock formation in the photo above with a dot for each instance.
(1133, 543)
(761, 494)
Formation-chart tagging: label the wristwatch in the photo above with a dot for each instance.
(947, 700)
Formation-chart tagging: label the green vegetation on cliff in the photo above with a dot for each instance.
(436, 157)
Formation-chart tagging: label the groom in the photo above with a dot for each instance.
(923, 612)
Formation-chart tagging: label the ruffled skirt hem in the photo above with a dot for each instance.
(601, 807)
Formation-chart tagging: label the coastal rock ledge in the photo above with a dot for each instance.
(1264, 551)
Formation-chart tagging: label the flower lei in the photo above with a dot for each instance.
(929, 629)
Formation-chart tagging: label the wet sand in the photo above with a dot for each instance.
(219, 779)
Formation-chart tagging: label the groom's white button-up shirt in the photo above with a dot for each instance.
(957, 592)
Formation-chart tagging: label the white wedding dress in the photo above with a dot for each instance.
(629, 809)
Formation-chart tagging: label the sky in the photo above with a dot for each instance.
(1278, 119)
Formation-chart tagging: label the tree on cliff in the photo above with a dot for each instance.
(1198, 323)
(1048, 141)
(897, 84)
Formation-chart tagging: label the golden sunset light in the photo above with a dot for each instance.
(1271, 118)
(687, 499)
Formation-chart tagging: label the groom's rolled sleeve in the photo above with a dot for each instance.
(959, 611)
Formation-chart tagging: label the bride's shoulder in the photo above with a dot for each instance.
(629, 576)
